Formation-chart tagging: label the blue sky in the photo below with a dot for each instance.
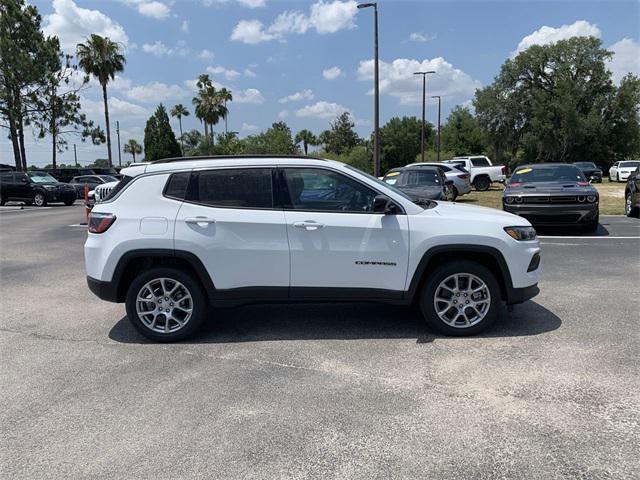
(305, 62)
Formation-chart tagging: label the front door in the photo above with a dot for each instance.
(336, 240)
(229, 221)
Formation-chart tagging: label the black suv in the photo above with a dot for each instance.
(632, 195)
(37, 188)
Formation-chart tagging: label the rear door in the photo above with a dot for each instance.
(229, 220)
(336, 241)
(21, 187)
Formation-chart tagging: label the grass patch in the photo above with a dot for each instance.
(611, 197)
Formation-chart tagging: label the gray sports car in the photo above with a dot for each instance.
(549, 194)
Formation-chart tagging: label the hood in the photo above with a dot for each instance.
(429, 192)
(475, 213)
(546, 188)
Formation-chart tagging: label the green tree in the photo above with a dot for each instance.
(180, 111)
(226, 96)
(400, 140)
(133, 147)
(306, 137)
(461, 134)
(102, 58)
(159, 140)
(341, 137)
(550, 103)
(26, 59)
(209, 105)
(623, 118)
(275, 140)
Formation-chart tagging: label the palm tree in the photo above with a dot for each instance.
(180, 111)
(209, 105)
(102, 58)
(132, 147)
(226, 96)
(307, 138)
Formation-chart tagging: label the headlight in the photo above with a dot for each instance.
(50, 187)
(592, 198)
(522, 234)
(508, 199)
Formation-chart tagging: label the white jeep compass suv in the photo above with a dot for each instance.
(177, 236)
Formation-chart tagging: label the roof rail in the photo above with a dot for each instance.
(223, 157)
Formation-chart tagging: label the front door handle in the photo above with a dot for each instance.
(200, 220)
(308, 225)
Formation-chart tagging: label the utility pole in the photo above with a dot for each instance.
(376, 95)
(119, 153)
(424, 102)
(439, 103)
(75, 154)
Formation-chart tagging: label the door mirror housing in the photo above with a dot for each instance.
(383, 204)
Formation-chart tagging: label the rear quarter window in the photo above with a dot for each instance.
(177, 185)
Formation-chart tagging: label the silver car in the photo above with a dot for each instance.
(460, 177)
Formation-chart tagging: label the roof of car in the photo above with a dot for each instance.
(226, 157)
(544, 164)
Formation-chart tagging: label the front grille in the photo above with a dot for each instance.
(551, 199)
(102, 192)
(566, 218)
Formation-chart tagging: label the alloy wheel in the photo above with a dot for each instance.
(164, 305)
(627, 205)
(38, 199)
(462, 300)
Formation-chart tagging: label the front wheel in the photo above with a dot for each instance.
(39, 200)
(454, 194)
(460, 298)
(618, 177)
(481, 184)
(68, 203)
(629, 209)
(165, 304)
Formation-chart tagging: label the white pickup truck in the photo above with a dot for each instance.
(483, 172)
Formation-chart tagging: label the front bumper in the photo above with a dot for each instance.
(520, 295)
(549, 215)
(624, 176)
(61, 195)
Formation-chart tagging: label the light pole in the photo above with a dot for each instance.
(119, 152)
(439, 103)
(424, 92)
(376, 94)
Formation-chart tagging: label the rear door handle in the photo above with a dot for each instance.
(200, 220)
(308, 225)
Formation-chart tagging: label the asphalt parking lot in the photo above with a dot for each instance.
(319, 391)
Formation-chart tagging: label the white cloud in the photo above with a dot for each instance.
(283, 114)
(249, 73)
(626, 59)
(421, 37)
(250, 95)
(155, 92)
(117, 108)
(159, 49)
(247, 127)
(206, 54)
(229, 74)
(184, 26)
(545, 35)
(294, 97)
(246, 3)
(72, 25)
(156, 10)
(397, 79)
(332, 73)
(323, 110)
(251, 32)
(324, 17)
(120, 83)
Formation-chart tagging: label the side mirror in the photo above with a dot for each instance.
(383, 204)
(24, 180)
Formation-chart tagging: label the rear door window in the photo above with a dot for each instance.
(233, 188)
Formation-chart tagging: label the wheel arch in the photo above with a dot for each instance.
(134, 261)
(489, 257)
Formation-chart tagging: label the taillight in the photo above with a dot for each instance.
(515, 184)
(504, 170)
(100, 222)
(464, 176)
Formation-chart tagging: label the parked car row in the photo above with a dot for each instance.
(34, 188)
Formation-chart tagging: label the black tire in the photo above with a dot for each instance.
(481, 184)
(428, 292)
(454, 194)
(617, 177)
(630, 210)
(68, 203)
(39, 199)
(199, 303)
(2, 201)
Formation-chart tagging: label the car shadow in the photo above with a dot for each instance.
(273, 322)
(572, 231)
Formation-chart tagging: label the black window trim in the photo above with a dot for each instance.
(285, 192)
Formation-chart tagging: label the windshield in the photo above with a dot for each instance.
(42, 178)
(380, 182)
(585, 165)
(415, 178)
(547, 173)
(635, 163)
(108, 178)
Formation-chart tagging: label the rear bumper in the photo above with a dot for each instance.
(104, 290)
(549, 215)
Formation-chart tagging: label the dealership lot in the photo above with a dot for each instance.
(319, 391)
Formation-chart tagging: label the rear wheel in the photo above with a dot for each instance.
(68, 203)
(481, 184)
(39, 200)
(2, 201)
(454, 194)
(165, 304)
(460, 298)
